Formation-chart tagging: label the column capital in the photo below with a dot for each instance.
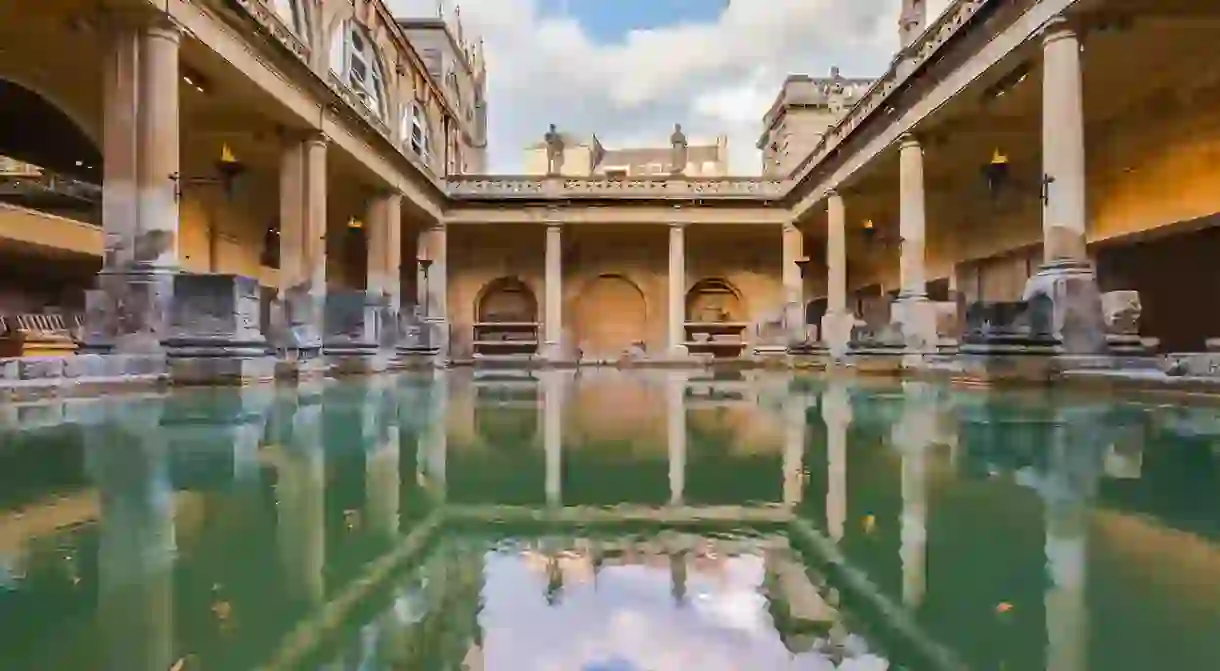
(908, 141)
(554, 226)
(790, 227)
(676, 225)
(1058, 28)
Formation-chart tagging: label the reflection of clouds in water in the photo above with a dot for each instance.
(629, 622)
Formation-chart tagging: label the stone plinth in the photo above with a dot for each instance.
(213, 335)
(1121, 311)
(350, 340)
(296, 328)
(876, 350)
(1077, 320)
(1009, 342)
(129, 311)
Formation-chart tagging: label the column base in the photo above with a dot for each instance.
(1071, 286)
(130, 310)
(836, 330)
(221, 370)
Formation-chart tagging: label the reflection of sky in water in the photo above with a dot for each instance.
(629, 621)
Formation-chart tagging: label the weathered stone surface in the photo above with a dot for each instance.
(215, 315)
(350, 322)
(1121, 310)
(296, 322)
(1071, 287)
(130, 311)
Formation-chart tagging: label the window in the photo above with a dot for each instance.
(292, 13)
(363, 69)
(415, 131)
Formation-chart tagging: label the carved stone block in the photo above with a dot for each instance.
(350, 322)
(1077, 320)
(296, 320)
(1121, 310)
(215, 315)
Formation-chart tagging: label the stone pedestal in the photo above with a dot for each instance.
(916, 318)
(129, 312)
(214, 335)
(877, 350)
(1071, 287)
(350, 340)
(1009, 342)
(836, 331)
(1121, 311)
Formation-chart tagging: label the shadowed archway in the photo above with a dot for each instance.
(505, 300)
(611, 317)
(713, 300)
(33, 130)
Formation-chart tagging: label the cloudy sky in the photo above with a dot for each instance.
(629, 69)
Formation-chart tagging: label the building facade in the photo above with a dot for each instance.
(1014, 148)
(804, 110)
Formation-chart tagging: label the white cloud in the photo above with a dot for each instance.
(713, 77)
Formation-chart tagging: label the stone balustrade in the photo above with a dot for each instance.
(525, 187)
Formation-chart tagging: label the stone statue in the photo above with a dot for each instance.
(677, 153)
(554, 151)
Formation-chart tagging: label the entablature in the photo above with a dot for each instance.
(618, 213)
(673, 188)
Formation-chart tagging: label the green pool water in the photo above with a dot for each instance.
(609, 521)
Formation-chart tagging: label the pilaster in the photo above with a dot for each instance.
(553, 304)
(793, 283)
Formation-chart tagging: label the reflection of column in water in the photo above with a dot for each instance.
(913, 436)
(675, 433)
(433, 438)
(677, 576)
(1075, 464)
(836, 413)
(300, 498)
(129, 460)
(794, 407)
(381, 466)
(552, 435)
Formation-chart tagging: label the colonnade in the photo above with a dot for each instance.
(134, 306)
(1063, 220)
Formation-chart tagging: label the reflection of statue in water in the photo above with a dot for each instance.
(677, 154)
(554, 151)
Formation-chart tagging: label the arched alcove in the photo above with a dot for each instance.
(33, 130)
(714, 300)
(611, 317)
(506, 300)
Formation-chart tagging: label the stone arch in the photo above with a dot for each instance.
(611, 315)
(506, 299)
(42, 132)
(715, 299)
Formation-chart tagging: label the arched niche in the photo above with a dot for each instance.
(610, 317)
(33, 130)
(714, 300)
(506, 300)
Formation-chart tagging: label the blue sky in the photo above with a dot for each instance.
(610, 20)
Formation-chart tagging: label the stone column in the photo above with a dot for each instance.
(302, 292)
(553, 308)
(1067, 277)
(837, 415)
(140, 196)
(912, 311)
(383, 283)
(837, 322)
(675, 434)
(676, 291)
(433, 286)
(552, 435)
(794, 283)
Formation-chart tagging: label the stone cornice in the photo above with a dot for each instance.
(526, 188)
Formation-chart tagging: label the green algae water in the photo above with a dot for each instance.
(609, 521)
